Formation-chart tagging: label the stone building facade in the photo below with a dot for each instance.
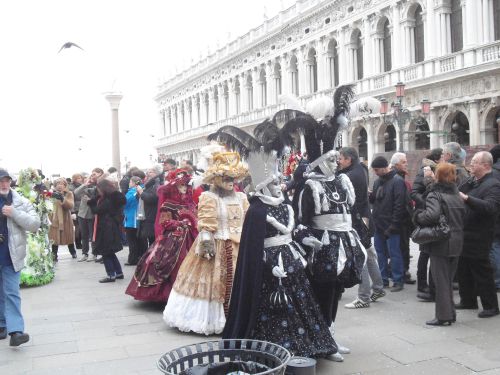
(445, 51)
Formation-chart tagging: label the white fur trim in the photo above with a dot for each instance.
(316, 189)
(275, 223)
(349, 188)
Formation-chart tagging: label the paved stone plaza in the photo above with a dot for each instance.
(79, 326)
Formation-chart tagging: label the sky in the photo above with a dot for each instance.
(53, 114)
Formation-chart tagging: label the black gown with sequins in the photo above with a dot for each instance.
(286, 312)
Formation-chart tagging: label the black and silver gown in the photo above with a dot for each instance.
(283, 310)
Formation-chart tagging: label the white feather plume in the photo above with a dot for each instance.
(320, 107)
(291, 102)
(365, 107)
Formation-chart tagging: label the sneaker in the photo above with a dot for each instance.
(337, 357)
(343, 349)
(84, 258)
(107, 280)
(397, 287)
(377, 294)
(98, 259)
(357, 304)
(18, 338)
(120, 276)
(92, 258)
(73, 255)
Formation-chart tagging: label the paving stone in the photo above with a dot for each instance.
(478, 360)
(70, 360)
(441, 366)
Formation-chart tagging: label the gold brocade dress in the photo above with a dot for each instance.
(202, 290)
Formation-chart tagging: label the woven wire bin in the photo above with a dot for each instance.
(273, 356)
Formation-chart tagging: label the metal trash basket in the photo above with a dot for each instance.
(273, 356)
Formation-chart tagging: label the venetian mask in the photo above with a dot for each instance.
(330, 164)
(275, 188)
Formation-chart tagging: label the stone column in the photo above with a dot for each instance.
(473, 27)
(321, 61)
(474, 121)
(397, 51)
(271, 84)
(436, 140)
(243, 93)
(301, 67)
(256, 89)
(367, 49)
(232, 97)
(378, 55)
(343, 59)
(181, 111)
(211, 106)
(285, 74)
(370, 140)
(114, 102)
(203, 109)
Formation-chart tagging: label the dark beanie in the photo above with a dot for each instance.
(380, 162)
(495, 152)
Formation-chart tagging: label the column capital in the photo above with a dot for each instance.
(114, 99)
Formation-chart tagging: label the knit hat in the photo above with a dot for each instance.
(380, 162)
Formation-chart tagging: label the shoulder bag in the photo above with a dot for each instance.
(438, 232)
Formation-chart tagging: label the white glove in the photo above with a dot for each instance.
(312, 242)
(279, 272)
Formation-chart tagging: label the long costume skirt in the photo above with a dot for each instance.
(201, 293)
(288, 312)
(157, 269)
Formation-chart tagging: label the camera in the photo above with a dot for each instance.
(57, 195)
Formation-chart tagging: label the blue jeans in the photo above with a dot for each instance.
(495, 260)
(112, 265)
(10, 300)
(389, 245)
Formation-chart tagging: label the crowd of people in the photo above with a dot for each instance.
(255, 243)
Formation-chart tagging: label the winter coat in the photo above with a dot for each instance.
(389, 199)
(24, 218)
(444, 199)
(124, 182)
(496, 173)
(109, 217)
(462, 173)
(482, 209)
(84, 193)
(420, 183)
(130, 210)
(358, 175)
(72, 187)
(62, 231)
(150, 198)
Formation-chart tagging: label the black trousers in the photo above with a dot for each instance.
(423, 260)
(328, 296)
(442, 270)
(135, 248)
(55, 248)
(87, 232)
(476, 278)
(404, 245)
(78, 235)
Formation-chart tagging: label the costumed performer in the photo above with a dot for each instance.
(337, 255)
(157, 269)
(200, 296)
(272, 298)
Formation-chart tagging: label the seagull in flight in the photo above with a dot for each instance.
(69, 45)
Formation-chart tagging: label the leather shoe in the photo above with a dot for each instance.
(3, 333)
(107, 280)
(437, 322)
(461, 306)
(488, 313)
(120, 276)
(397, 287)
(130, 264)
(425, 297)
(18, 338)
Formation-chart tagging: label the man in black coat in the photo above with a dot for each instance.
(481, 195)
(495, 247)
(361, 221)
(388, 199)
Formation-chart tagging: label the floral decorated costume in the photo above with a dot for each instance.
(200, 296)
(158, 267)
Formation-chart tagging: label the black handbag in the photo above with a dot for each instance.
(439, 232)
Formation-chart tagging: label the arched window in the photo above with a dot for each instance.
(237, 96)
(460, 129)
(362, 140)
(312, 71)
(263, 87)
(422, 139)
(294, 75)
(457, 40)
(333, 63)
(390, 138)
(249, 91)
(357, 50)
(277, 81)
(387, 45)
(419, 35)
(496, 18)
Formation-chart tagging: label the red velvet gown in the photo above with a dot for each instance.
(157, 269)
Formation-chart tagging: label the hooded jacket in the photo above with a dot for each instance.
(24, 218)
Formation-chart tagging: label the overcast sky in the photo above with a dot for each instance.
(52, 110)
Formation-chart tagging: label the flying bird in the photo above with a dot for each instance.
(69, 45)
